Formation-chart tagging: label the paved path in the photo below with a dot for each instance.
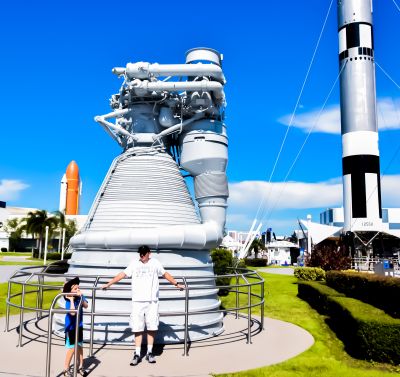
(6, 272)
(226, 353)
(278, 271)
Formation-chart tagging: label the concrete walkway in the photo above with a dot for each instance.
(226, 353)
(278, 271)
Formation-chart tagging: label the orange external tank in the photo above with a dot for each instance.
(73, 187)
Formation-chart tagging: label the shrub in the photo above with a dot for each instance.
(4, 250)
(380, 291)
(329, 256)
(53, 256)
(35, 253)
(223, 260)
(316, 294)
(256, 262)
(309, 273)
(367, 332)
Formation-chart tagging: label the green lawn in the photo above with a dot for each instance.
(22, 263)
(326, 358)
(30, 299)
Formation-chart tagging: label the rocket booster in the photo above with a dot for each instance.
(63, 194)
(360, 158)
(70, 190)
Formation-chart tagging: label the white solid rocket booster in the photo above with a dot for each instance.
(63, 194)
(360, 158)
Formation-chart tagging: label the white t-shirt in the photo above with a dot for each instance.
(145, 284)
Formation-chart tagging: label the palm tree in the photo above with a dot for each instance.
(257, 245)
(61, 224)
(36, 223)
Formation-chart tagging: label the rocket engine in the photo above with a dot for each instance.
(168, 119)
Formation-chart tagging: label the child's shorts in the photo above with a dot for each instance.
(144, 313)
(70, 338)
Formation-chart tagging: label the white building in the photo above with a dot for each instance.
(9, 213)
(278, 252)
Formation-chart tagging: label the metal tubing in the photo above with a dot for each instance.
(21, 316)
(40, 281)
(248, 310)
(186, 313)
(78, 317)
(237, 297)
(186, 335)
(249, 315)
(8, 307)
(262, 303)
(93, 309)
(49, 334)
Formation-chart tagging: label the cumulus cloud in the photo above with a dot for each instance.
(390, 190)
(282, 203)
(388, 112)
(289, 195)
(11, 188)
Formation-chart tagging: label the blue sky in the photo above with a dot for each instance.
(55, 75)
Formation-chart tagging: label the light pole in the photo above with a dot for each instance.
(63, 241)
(308, 235)
(45, 244)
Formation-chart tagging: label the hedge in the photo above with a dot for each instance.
(367, 332)
(316, 294)
(309, 273)
(256, 262)
(382, 292)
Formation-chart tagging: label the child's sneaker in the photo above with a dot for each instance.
(82, 372)
(135, 360)
(150, 358)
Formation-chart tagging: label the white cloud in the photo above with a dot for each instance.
(390, 191)
(290, 195)
(11, 188)
(283, 203)
(388, 112)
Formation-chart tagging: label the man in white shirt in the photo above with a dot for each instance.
(144, 273)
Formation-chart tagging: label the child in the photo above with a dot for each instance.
(72, 302)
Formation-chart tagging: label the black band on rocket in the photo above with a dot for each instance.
(357, 166)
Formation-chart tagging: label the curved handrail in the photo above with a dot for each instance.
(243, 287)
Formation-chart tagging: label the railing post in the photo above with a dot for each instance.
(21, 315)
(262, 305)
(237, 295)
(186, 333)
(93, 308)
(49, 335)
(249, 314)
(8, 307)
(78, 319)
(40, 298)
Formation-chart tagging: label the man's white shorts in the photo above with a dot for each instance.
(144, 312)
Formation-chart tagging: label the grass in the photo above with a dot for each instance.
(15, 254)
(27, 262)
(30, 299)
(326, 358)
(24, 263)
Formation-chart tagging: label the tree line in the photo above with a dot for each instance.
(34, 225)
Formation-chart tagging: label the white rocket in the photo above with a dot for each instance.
(63, 194)
(360, 158)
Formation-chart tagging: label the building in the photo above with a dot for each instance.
(9, 213)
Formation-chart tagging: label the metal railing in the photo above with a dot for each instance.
(368, 264)
(23, 278)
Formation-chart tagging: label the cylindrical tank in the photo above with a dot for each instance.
(360, 159)
(73, 183)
